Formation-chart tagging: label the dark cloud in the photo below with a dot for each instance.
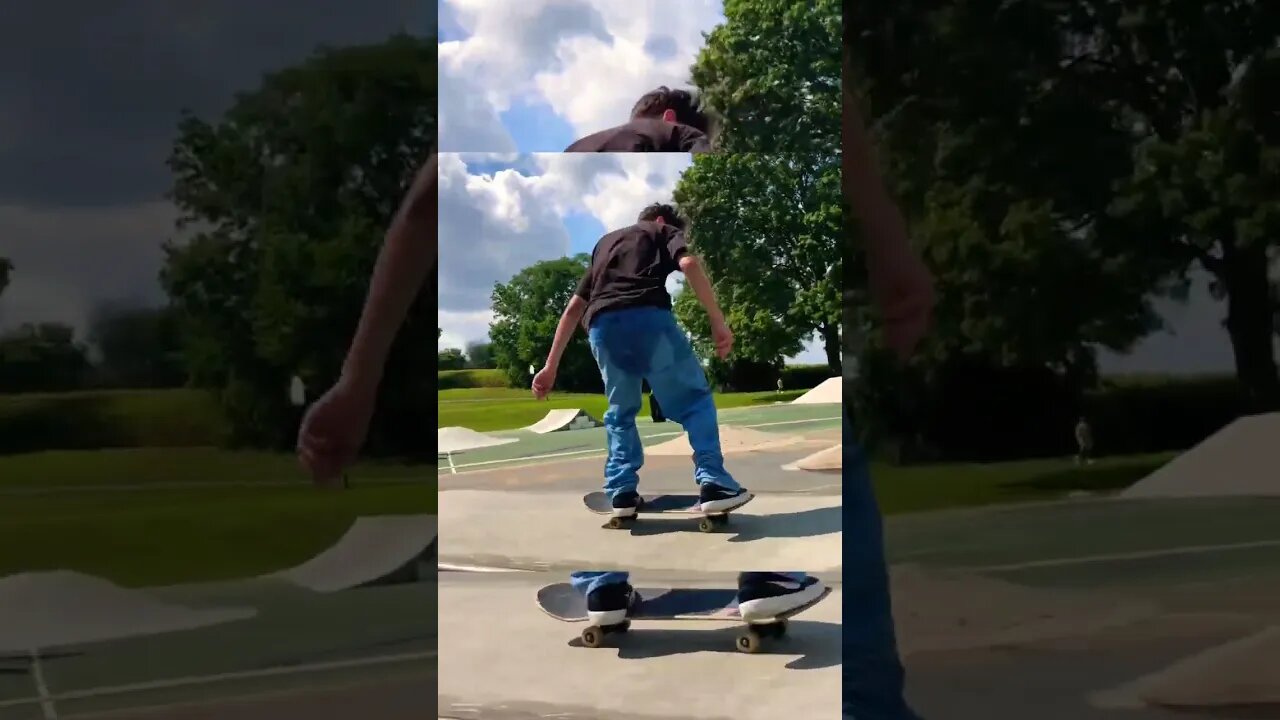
(90, 98)
(90, 94)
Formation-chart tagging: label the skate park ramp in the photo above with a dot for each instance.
(1244, 673)
(829, 460)
(829, 392)
(451, 440)
(732, 440)
(1240, 459)
(381, 550)
(568, 419)
(41, 610)
(506, 659)
(539, 530)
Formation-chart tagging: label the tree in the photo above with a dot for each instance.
(767, 227)
(480, 355)
(6, 269)
(450, 359)
(43, 357)
(771, 71)
(1197, 82)
(293, 189)
(138, 347)
(526, 311)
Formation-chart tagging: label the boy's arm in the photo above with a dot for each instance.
(884, 226)
(407, 256)
(564, 329)
(701, 284)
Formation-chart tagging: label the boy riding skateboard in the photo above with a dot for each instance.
(663, 120)
(622, 301)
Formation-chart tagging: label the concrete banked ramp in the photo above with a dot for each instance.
(1242, 458)
(557, 420)
(374, 551)
(41, 610)
(779, 532)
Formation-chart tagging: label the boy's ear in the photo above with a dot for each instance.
(669, 115)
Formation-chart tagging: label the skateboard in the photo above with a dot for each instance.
(598, 503)
(563, 603)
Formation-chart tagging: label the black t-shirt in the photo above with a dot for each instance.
(629, 268)
(645, 135)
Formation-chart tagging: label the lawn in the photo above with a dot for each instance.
(488, 409)
(936, 487)
(167, 516)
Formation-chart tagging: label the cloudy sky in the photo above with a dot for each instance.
(535, 75)
(501, 213)
(88, 111)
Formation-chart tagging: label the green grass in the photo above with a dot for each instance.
(489, 409)
(160, 531)
(937, 487)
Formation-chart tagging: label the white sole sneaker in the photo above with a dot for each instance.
(727, 504)
(771, 607)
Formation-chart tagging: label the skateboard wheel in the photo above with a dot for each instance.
(619, 523)
(706, 524)
(749, 642)
(780, 628)
(592, 637)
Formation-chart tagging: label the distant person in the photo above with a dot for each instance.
(623, 303)
(663, 120)
(902, 290)
(1084, 442)
(336, 425)
(779, 384)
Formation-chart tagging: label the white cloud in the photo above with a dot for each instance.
(493, 226)
(588, 59)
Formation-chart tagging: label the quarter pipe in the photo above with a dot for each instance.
(570, 419)
(828, 392)
(382, 550)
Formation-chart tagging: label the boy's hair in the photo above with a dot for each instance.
(664, 211)
(688, 108)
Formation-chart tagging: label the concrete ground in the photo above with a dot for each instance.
(1046, 611)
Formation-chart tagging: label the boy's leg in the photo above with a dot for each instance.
(622, 388)
(873, 674)
(769, 594)
(609, 595)
(587, 581)
(681, 386)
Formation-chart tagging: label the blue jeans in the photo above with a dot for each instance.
(585, 582)
(639, 344)
(873, 674)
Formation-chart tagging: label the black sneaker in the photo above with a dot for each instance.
(626, 503)
(610, 604)
(763, 595)
(715, 499)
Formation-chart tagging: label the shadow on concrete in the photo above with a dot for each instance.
(745, 527)
(1270, 711)
(819, 643)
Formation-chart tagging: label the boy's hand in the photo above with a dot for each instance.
(333, 431)
(544, 381)
(902, 288)
(722, 336)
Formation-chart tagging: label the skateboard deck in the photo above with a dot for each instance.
(563, 603)
(598, 503)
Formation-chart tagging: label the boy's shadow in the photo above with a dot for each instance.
(745, 527)
(817, 643)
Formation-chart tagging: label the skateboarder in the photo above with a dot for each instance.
(622, 301)
(903, 291)
(610, 596)
(663, 120)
